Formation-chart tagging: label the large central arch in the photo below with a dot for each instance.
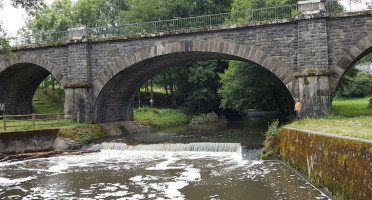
(19, 79)
(115, 87)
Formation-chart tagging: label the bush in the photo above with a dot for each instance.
(84, 135)
(370, 103)
(160, 117)
(204, 118)
(272, 141)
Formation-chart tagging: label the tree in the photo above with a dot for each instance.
(250, 86)
(355, 83)
(54, 18)
(30, 6)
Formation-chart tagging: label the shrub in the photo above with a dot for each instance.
(204, 118)
(370, 103)
(272, 141)
(84, 135)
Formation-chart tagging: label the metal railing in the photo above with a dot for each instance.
(41, 38)
(271, 13)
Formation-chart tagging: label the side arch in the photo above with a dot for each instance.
(356, 52)
(35, 60)
(137, 64)
(20, 78)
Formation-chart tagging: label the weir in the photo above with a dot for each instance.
(177, 147)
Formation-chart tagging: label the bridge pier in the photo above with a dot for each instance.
(313, 65)
(78, 101)
(314, 93)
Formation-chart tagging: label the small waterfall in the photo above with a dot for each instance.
(202, 147)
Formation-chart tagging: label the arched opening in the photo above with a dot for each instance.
(351, 81)
(115, 99)
(18, 85)
(353, 94)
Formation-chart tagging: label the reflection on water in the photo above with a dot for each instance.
(199, 162)
(249, 132)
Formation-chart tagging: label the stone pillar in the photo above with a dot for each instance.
(314, 92)
(311, 7)
(79, 67)
(78, 92)
(312, 62)
(78, 100)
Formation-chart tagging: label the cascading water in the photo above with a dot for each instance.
(179, 170)
(204, 147)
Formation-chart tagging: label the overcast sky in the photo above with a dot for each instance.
(14, 18)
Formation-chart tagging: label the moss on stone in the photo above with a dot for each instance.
(341, 165)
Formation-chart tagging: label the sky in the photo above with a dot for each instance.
(14, 18)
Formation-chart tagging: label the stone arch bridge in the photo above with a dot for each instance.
(309, 54)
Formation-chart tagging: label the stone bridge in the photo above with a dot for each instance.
(309, 54)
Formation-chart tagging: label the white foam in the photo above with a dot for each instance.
(203, 147)
(6, 181)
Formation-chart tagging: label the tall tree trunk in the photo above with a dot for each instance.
(174, 102)
(53, 89)
(146, 88)
(152, 93)
(139, 97)
(166, 87)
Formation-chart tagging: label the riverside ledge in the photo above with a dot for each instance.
(341, 164)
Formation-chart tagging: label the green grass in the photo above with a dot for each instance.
(42, 103)
(351, 107)
(359, 127)
(84, 134)
(350, 117)
(28, 125)
(160, 117)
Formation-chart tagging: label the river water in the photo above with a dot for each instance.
(216, 161)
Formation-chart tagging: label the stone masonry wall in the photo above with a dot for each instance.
(341, 164)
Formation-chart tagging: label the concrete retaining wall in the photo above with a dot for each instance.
(341, 164)
(30, 141)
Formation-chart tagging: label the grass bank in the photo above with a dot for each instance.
(350, 117)
(28, 125)
(155, 117)
(84, 134)
(43, 102)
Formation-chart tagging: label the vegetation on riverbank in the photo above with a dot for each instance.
(84, 134)
(350, 117)
(271, 142)
(155, 117)
(165, 117)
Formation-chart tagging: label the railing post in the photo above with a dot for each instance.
(78, 117)
(4, 118)
(33, 120)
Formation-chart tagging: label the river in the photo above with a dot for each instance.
(215, 161)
